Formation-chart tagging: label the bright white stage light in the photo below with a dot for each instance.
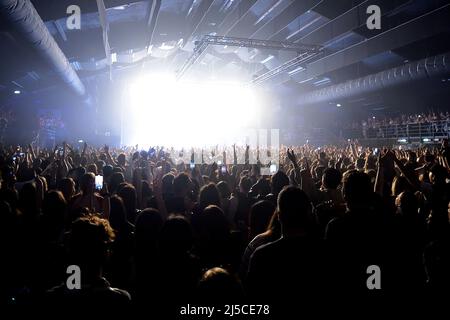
(159, 110)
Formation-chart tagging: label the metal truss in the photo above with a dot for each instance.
(301, 49)
(198, 50)
(260, 44)
(288, 65)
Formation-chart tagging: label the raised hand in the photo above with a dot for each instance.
(291, 156)
(388, 158)
(157, 189)
(214, 166)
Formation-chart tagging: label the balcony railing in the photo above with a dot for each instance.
(430, 130)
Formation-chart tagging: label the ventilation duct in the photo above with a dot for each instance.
(422, 69)
(25, 20)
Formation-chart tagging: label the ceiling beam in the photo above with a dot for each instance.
(56, 9)
(252, 22)
(279, 22)
(235, 16)
(347, 21)
(411, 31)
(152, 20)
(105, 30)
(60, 29)
(197, 19)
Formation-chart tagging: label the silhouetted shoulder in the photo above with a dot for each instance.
(101, 294)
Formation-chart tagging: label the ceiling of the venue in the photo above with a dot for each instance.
(161, 35)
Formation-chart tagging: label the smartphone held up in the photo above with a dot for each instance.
(98, 182)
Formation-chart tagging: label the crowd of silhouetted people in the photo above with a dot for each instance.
(163, 232)
(429, 124)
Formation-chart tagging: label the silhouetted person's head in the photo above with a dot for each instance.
(79, 173)
(245, 184)
(128, 194)
(209, 195)
(260, 214)
(407, 204)
(28, 200)
(121, 160)
(224, 189)
(25, 173)
(107, 171)
(279, 180)
(295, 211)
(89, 243)
(318, 172)
(87, 184)
(213, 224)
(8, 177)
(117, 216)
(218, 286)
(92, 168)
(54, 209)
(331, 178)
(262, 187)
(182, 185)
(118, 169)
(176, 236)
(67, 187)
(399, 184)
(438, 174)
(100, 164)
(116, 179)
(429, 157)
(360, 164)
(357, 190)
(167, 184)
(412, 156)
(144, 154)
(147, 229)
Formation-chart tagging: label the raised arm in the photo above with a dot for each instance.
(31, 151)
(109, 159)
(247, 155)
(137, 182)
(379, 180)
(157, 189)
(293, 159)
(411, 178)
(83, 153)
